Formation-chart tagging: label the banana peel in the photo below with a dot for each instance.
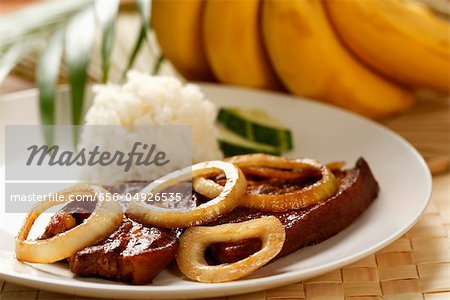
(312, 62)
(402, 40)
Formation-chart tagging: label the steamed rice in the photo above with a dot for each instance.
(152, 100)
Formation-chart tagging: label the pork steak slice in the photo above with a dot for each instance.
(134, 253)
(311, 225)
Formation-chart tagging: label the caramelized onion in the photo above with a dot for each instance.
(335, 165)
(316, 192)
(266, 172)
(274, 173)
(106, 217)
(225, 201)
(206, 187)
(194, 241)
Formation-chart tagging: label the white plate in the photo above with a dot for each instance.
(319, 131)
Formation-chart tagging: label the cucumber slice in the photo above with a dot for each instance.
(233, 144)
(257, 126)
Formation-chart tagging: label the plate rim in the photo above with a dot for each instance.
(230, 288)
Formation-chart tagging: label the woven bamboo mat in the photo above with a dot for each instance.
(427, 127)
(416, 266)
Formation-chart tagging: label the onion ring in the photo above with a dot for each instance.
(195, 240)
(335, 165)
(273, 173)
(206, 187)
(224, 202)
(316, 192)
(320, 190)
(106, 217)
(266, 172)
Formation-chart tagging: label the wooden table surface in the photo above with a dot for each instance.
(416, 266)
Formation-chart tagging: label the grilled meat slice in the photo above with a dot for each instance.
(134, 253)
(311, 225)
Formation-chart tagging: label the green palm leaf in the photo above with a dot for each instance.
(80, 34)
(38, 19)
(43, 24)
(47, 73)
(10, 59)
(144, 11)
(106, 11)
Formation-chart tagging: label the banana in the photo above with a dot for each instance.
(311, 61)
(401, 39)
(177, 24)
(234, 46)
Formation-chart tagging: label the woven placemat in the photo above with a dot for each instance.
(427, 127)
(416, 266)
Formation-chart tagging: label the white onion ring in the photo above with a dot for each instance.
(194, 241)
(267, 172)
(206, 187)
(224, 202)
(106, 217)
(273, 173)
(314, 193)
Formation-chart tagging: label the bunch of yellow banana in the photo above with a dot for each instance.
(178, 27)
(364, 55)
(406, 43)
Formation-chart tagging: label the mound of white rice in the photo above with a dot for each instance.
(153, 100)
